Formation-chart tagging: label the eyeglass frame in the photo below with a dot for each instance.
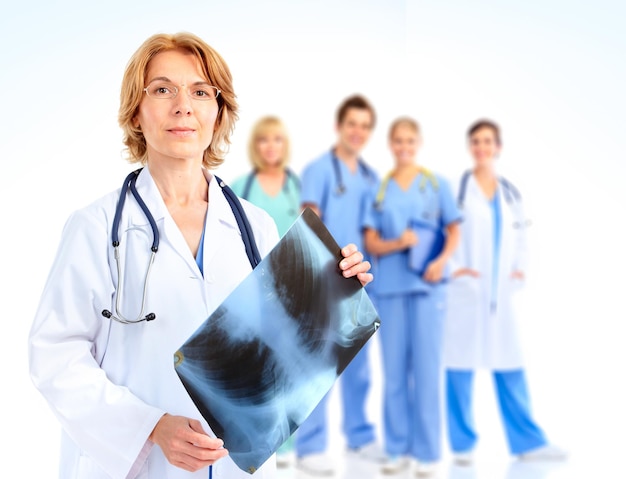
(175, 89)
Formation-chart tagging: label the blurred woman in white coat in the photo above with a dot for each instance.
(102, 360)
(487, 268)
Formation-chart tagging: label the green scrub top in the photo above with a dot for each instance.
(284, 208)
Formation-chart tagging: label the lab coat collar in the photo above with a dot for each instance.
(149, 192)
(473, 189)
(219, 214)
(218, 206)
(169, 231)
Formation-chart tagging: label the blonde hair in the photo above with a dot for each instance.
(404, 121)
(216, 72)
(262, 127)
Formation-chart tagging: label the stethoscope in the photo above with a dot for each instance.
(129, 184)
(426, 177)
(511, 195)
(340, 189)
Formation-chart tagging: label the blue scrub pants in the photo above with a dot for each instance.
(411, 336)
(312, 435)
(522, 433)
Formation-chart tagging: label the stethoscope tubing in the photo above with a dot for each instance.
(245, 228)
(340, 189)
(129, 183)
(242, 221)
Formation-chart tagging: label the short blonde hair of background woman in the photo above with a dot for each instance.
(404, 121)
(214, 69)
(265, 126)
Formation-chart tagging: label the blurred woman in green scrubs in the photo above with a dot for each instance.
(270, 184)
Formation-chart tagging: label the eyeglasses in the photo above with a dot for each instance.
(163, 90)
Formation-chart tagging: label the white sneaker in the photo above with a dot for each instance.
(426, 469)
(464, 458)
(370, 452)
(318, 464)
(395, 464)
(548, 452)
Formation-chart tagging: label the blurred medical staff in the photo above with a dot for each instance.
(271, 185)
(414, 213)
(488, 267)
(336, 186)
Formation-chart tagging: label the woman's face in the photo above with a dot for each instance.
(484, 147)
(271, 148)
(178, 128)
(404, 143)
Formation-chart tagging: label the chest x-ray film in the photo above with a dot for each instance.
(258, 366)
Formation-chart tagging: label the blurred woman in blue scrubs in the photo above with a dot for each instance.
(271, 185)
(414, 212)
(487, 268)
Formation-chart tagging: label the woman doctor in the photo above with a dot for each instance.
(411, 302)
(488, 267)
(113, 386)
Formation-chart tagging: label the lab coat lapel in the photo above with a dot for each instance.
(169, 231)
(219, 217)
(482, 226)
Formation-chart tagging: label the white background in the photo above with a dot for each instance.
(552, 73)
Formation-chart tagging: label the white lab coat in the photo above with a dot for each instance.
(109, 383)
(475, 336)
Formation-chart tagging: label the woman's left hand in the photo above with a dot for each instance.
(434, 271)
(353, 264)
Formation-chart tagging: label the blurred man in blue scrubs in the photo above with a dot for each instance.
(336, 186)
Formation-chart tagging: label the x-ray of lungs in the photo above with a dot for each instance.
(259, 365)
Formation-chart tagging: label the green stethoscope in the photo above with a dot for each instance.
(426, 177)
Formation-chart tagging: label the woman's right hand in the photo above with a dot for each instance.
(465, 272)
(185, 444)
(408, 238)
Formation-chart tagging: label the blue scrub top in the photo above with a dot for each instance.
(200, 253)
(342, 211)
(422, 202)
(496, 211)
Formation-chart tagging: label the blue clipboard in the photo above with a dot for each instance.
(430, 244)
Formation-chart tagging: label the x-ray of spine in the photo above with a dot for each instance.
(264, 359)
